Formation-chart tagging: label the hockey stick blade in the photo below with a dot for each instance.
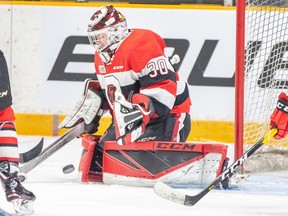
(32, 153)
(174, 195)
(54, 147)
(4, 213)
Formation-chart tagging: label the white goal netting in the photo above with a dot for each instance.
(266, 76)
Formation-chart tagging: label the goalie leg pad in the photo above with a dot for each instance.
(177, 163)
(88, 142)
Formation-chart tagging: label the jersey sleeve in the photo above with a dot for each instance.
(156, 75)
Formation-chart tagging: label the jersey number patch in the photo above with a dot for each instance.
(157, 68)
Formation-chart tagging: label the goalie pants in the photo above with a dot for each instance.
(174, 128)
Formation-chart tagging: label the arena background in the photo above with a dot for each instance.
(48, 56)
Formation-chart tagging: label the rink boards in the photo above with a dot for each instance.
(49, 56)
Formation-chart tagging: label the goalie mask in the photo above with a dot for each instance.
(106, 28)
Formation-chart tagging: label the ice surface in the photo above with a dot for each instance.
(264, 194)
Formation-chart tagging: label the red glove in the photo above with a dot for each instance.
(279, 117)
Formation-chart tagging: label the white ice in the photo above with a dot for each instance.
(61, 194)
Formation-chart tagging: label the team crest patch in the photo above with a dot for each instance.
(102, 69)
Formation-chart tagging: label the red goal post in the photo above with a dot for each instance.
(261, 74)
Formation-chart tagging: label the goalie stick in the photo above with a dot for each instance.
(32, 153)
(169, 193)
(52, 148)
(4, 213)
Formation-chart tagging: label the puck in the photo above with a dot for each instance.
(68, 169)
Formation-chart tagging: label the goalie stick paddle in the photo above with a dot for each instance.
(169, 193)
(54, 147)
(32, 153)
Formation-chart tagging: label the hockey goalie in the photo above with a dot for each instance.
(139, 87)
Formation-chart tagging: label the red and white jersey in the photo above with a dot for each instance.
(7, 114)
(139, 65)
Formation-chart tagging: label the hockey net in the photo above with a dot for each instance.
(265, 75)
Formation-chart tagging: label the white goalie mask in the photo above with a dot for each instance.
(107, 27)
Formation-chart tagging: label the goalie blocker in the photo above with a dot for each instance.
(144, 163)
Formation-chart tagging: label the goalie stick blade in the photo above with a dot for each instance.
(54, 147)
(166, 192)
(169, 193)
(32, 153)
(4, 213)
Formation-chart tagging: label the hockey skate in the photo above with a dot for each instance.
(21, 198)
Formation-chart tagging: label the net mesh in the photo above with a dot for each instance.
(266, 76)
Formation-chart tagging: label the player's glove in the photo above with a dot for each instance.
(130, 119)
(279, 117)
(88, 108)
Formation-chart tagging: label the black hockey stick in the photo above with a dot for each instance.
(32, 153)
(52, 148)
(169, 193)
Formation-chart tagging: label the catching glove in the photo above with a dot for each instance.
(279, 117)
(88, 108)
